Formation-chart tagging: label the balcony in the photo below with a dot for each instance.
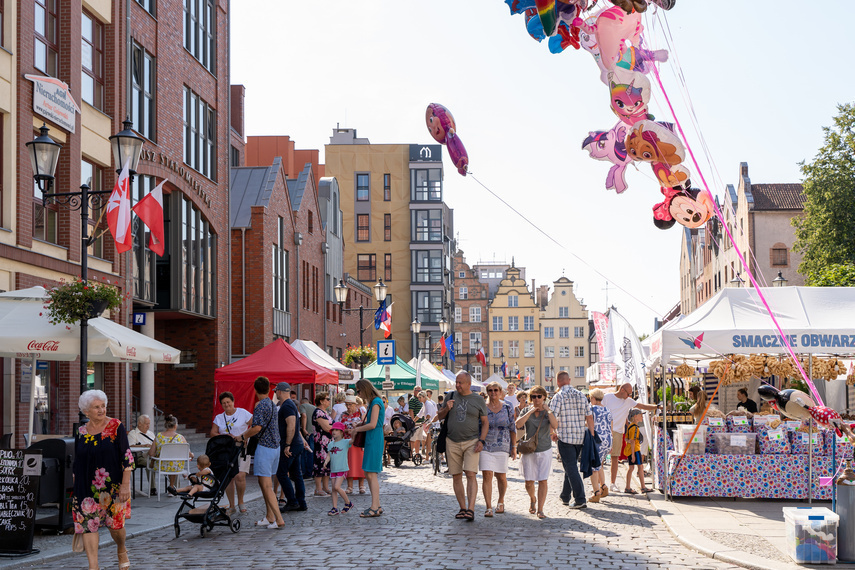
(281, 323)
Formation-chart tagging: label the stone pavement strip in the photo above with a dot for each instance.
(418, 530)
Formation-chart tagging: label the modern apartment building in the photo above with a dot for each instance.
(564, 335)
(514, 320)
(397, 228)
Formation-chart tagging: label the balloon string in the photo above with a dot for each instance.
(748, 271)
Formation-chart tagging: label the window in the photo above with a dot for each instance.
(363, 187)
(549, 352)
(498, 351)
(2, 35)
(563, 312)
(580, 372)
(464, 293)
(429, 306)
(528, 323)
(513, 323)
(548, 332)
(563, 352)
(387, 187)
(92, 176)
(779, 257)
(311, 222)
(280, 269)
(427, 225)
(474, 337)
(200, 134)
(427, 266)
(475, 314)
(198, 260)
(529, 373)
(426, 185)
(513, 349)
(547, 372)
(458, 314)
(497, 323)
(366, 267)
(476, 373)
(578, 351)
(484, 275)
(142, 99)
(563, 332)
(92, 61)
(458, 341)
(234, 157)
(387, 227)
(200, 32)
(148, 6)
(578, 332)
(47, 36)
(45, 218)
(513, 301)
(462, 275)
(363, 230)
(387, 272)
(143, 259)
(528, 348)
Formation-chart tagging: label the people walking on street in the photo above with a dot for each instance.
(234, 421)
(603, 427)
(522, 403)
(372, 456)
(511, 397)
(539, 422)
(337, 462)
(352, 418)
(632, 449)
(414, 406)
(424, 420)
(573, 412)
(619, 404)
(290, 472)
(467, 427)
(501, 444)
(321, 421)
(266, 458)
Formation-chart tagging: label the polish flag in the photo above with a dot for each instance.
(442, 346)
(119, 212)
(386, 325)
(482, 358)
(150, 211)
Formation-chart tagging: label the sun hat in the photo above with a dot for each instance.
(338, 425)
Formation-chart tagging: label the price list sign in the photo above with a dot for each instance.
(19, 487)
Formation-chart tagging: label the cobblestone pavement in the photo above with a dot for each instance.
(418, 530)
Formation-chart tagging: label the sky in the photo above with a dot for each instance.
(748, 82)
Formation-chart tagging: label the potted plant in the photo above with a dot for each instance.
(72, 301)
(360, 355)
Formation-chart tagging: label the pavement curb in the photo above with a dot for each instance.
(686, 534)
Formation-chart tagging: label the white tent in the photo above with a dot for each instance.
(430, 371)
(316, 354)
(498, 379)
(476, 386)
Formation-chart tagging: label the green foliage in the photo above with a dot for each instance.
(834, 275)
(360, 354)
(825, 234)
(73, 301)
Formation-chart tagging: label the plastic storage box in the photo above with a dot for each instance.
(811, 535)
(695, 447)
(735, 443)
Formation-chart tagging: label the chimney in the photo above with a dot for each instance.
(533, 291)
(238, 94)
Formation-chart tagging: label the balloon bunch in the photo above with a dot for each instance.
(798, 405)
(613, 37)
(441, 125)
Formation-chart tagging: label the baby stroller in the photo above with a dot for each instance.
(224, 454)
(398, 444)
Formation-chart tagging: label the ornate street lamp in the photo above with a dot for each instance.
(127, 147)
(737, 281)
(44, 155)
(779, 281)
(341, 297)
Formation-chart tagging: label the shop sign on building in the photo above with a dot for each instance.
(52, 100)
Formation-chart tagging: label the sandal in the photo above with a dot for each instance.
(533, 508)
(370, 513)
(346, 508)
(595, 498)
(362, 490)
(333, 511)
(470, 515)
(500, 508)
(488, 513)
(461, 514)
(349, 490)
(540, 515)
(604, 491)
(124, 564)
(630, 491)
(646, 490)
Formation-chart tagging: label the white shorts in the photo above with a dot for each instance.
(495, 461)
(419, 434)
(536, 466)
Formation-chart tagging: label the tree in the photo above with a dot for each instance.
(825, 233)
(834, 275)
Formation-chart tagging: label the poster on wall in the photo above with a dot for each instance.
(52, 100)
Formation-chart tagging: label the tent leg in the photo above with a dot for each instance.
(32, 406)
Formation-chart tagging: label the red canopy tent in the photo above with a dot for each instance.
(279, 362)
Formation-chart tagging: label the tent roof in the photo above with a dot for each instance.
(279, 362)
(498, 379)
(401, 373)
(316, 354)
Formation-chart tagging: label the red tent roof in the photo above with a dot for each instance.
(279, 362)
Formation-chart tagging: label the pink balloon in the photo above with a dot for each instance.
(613, 29)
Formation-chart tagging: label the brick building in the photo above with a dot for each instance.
(471, 297)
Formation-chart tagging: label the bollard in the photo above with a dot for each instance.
(846, 511)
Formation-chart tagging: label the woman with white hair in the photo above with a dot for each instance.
(102, 469)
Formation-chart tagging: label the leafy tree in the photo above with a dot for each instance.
(825, 234)
(834, 275)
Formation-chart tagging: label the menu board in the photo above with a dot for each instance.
(19, 487)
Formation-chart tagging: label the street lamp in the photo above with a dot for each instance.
(779, 281)
(737, 281)
(469, 354)
(416, 327)
(341, 296)
(44, 154)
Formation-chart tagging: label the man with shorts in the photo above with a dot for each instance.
(619, 404)
(425, 416)
(414, 406)
(234, 421)
(267, 453)
(465, 441)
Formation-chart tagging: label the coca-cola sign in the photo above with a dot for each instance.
(47, 346)
(131, 351)
(167, 357)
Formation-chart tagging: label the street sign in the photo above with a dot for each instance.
(386, 352)
(139, 319)
(388, 385)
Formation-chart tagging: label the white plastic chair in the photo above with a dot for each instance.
(170, 452)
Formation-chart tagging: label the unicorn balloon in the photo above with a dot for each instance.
(609, 146)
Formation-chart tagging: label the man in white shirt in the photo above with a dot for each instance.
(142, 434)
(428, 412)
(619, 404)
(511, 398)
(234, 421)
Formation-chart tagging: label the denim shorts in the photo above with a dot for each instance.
(266, 461)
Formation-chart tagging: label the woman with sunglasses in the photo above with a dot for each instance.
(501, 444)
(538, 421)
(321, 421)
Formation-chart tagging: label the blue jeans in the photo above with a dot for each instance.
(290, 469)
(572, 479)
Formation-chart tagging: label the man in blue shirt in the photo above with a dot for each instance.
(291, 444)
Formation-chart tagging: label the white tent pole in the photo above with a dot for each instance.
(32, 399)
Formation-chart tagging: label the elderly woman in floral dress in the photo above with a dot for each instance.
(102, 469)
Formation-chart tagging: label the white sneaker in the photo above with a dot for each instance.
(614, 488)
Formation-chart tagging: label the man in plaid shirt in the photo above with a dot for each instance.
(573, 412)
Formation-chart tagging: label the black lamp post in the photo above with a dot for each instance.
(341, 296)
(779, 281)
(469, 355)
(416, 327)
(44, 154)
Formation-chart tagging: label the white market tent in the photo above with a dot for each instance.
(316, 354)
(497, 379)
(430, 371)
(452, 377)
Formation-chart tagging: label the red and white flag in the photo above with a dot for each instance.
(119, 212)
(150, 211)
(482, 358)
(386, 325)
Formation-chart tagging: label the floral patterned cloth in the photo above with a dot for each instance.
(170, 466)
(99, 463)
(322, 440)
(603, 427)
(501, 425)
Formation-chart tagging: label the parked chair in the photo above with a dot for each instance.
(170, 452)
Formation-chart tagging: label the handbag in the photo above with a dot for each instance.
(529, 445)
(77, 542)
(252, 444)
(443, 431)
(359, 437)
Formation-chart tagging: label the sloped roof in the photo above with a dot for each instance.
(778, 196)
(297, 187)
(250, 186)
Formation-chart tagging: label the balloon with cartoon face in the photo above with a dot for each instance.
(441, 125)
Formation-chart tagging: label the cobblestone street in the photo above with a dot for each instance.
(418, 530)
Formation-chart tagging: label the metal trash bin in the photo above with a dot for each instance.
(846, 511)
(56, 485)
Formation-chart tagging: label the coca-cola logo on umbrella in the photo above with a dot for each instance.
(47, 346)
(131, 351)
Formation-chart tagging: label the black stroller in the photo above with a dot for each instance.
(398, 444)
(224, 454)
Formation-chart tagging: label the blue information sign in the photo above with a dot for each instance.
(139, 319)
(386, 352)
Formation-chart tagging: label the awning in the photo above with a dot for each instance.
(402, 374)
(316, 354)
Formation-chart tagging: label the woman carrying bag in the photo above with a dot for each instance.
(536, 448)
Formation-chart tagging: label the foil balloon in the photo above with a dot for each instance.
(441, 125)
(613, 29)
(630, 94)
(792, 403)
(631, 58)
(828, 418)
(690, 208)
(609, 146)
(630, 6)
(547, 10)
(657, 144)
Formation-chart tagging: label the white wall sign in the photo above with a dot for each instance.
(53, 101)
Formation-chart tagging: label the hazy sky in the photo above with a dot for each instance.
(761, 83)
